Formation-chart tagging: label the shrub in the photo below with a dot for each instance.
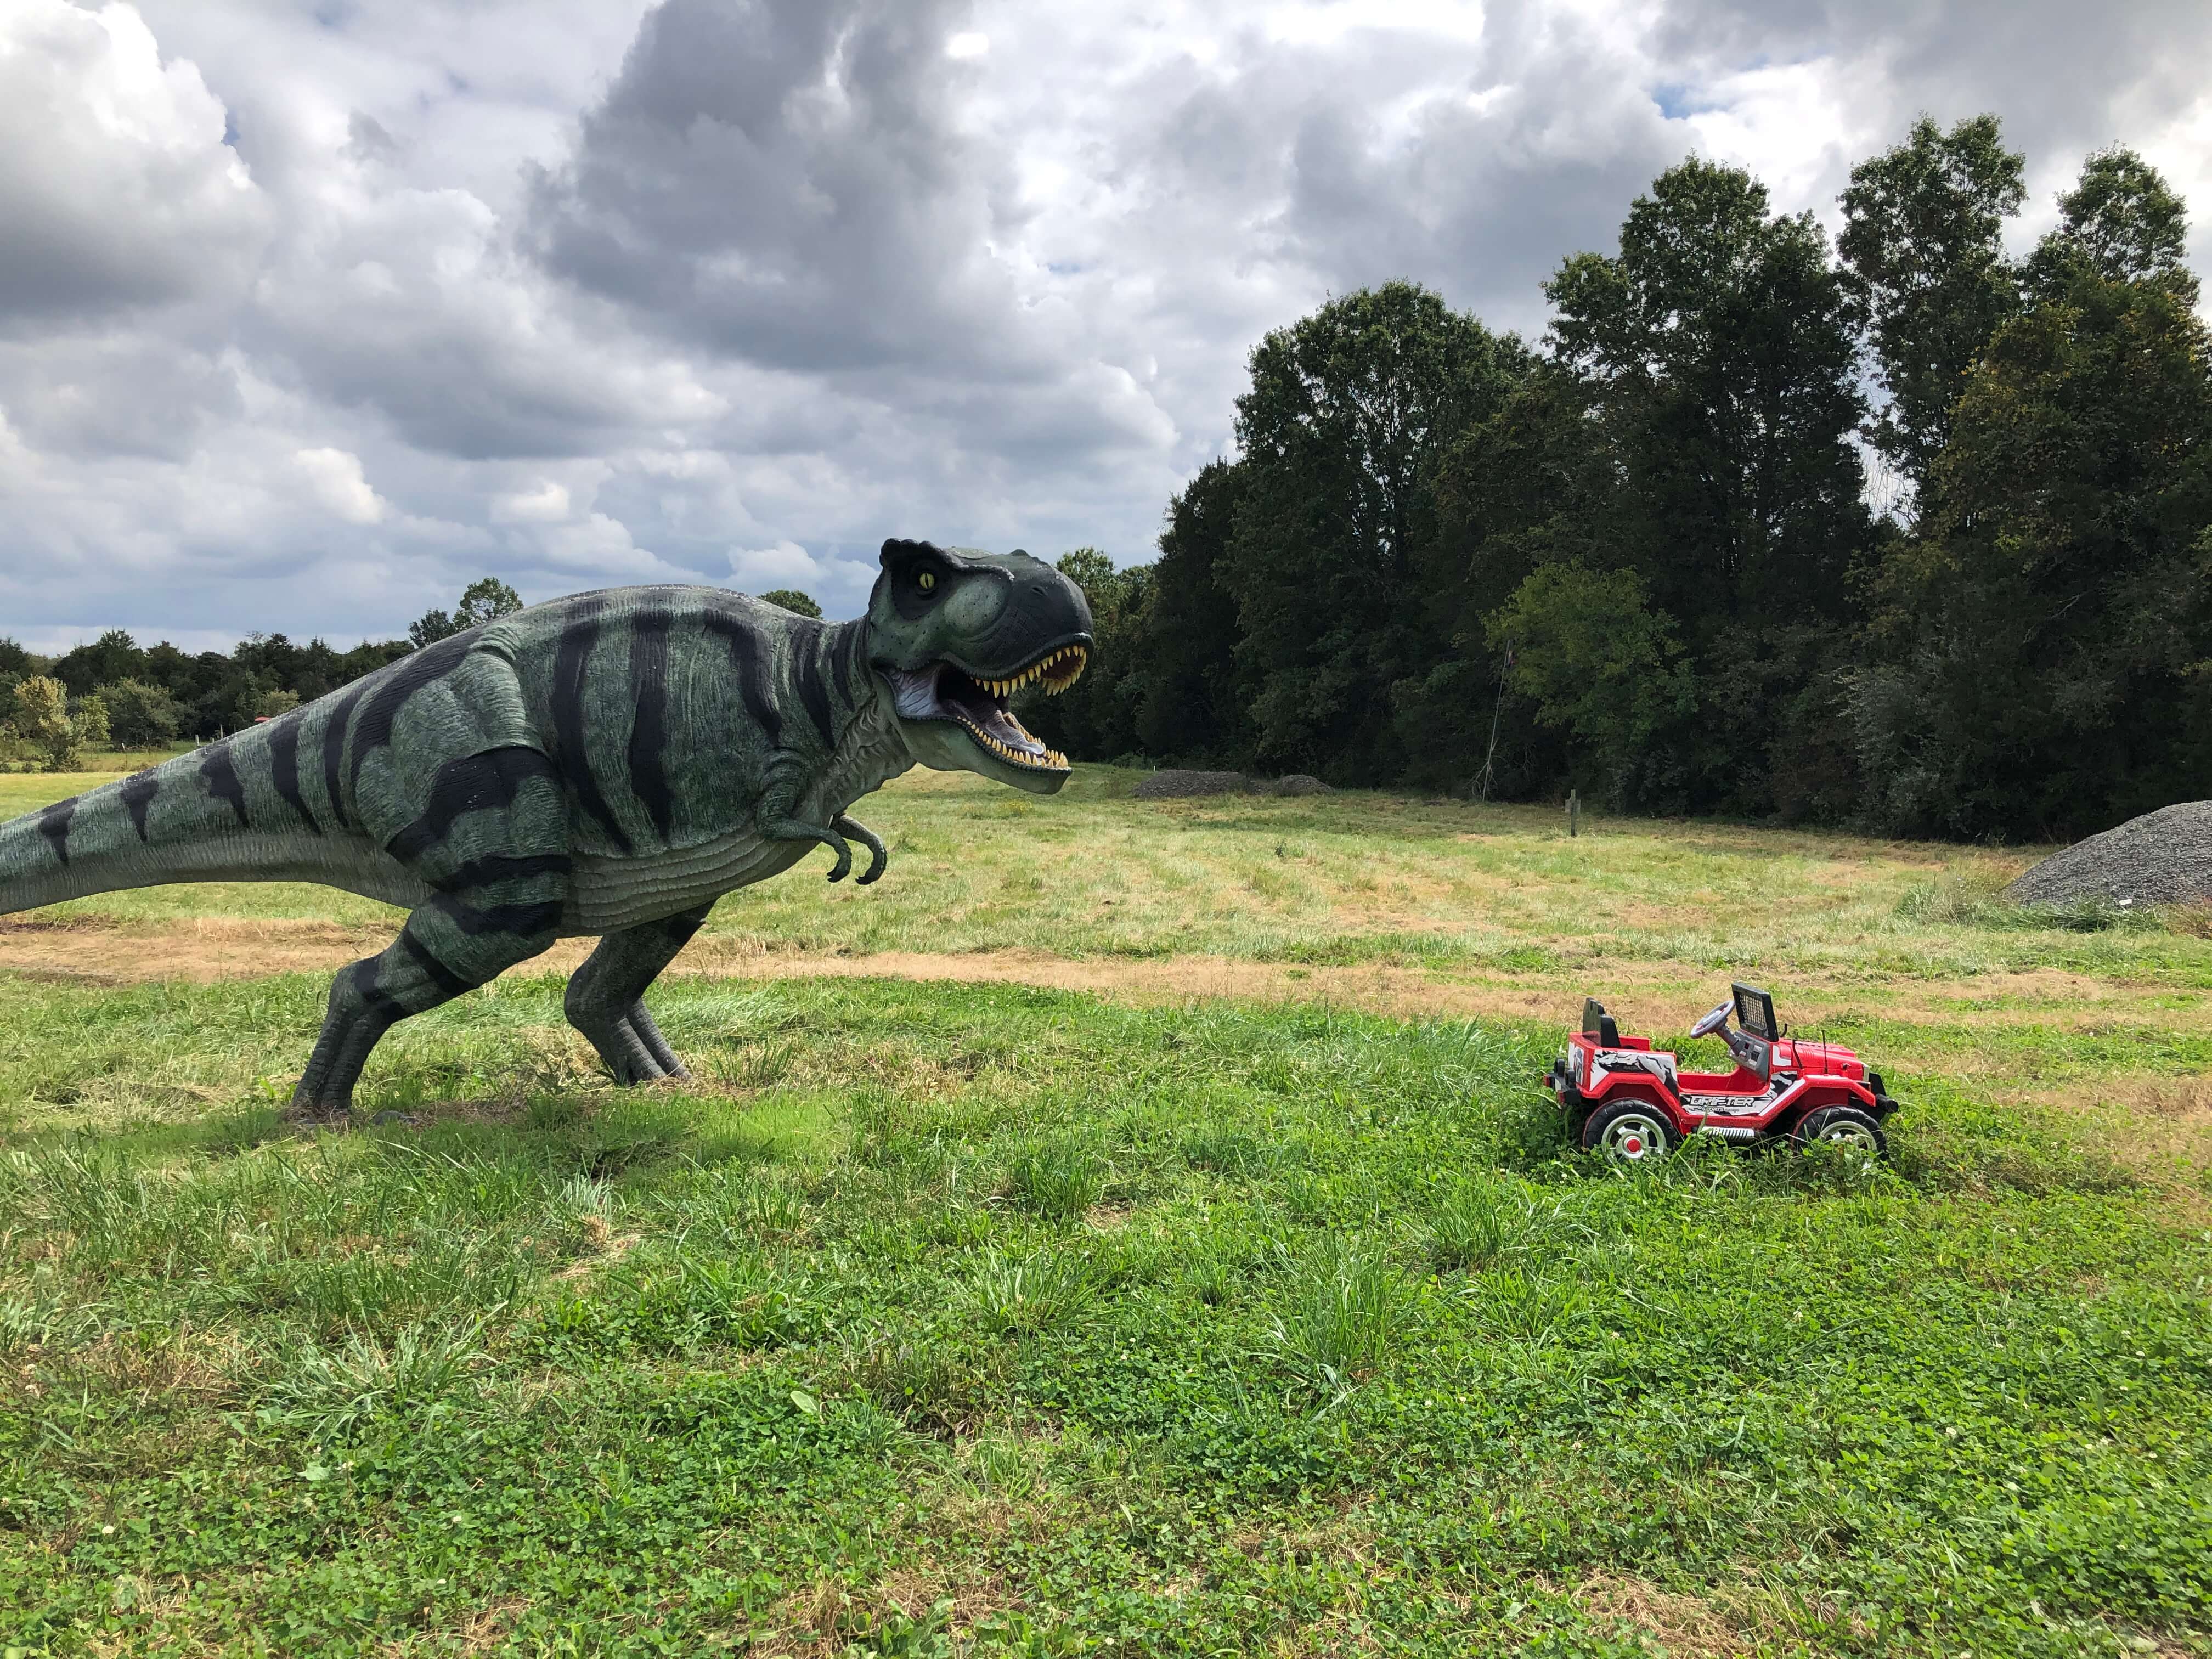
(43, 720)
(139, 715)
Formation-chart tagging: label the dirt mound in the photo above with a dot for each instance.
(1177, 784)
(2161, 858)
(1298, 783)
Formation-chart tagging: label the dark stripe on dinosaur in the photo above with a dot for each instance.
(841, 667)
(438, 974)
(334, 737)
(53, 824)
(388, 693)
(520, 920)
(493, 778)
(500, 866)
(368, 985)
(648, 731)
(222, 775)
(749, 663)
(284, 765)
(569, 664)
(813, 692)
(138, 792)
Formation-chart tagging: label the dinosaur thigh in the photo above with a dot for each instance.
(491, 844)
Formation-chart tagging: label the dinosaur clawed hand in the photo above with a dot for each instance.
(878, 854)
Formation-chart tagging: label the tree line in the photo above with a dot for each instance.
(115, 693)
(1898, 533)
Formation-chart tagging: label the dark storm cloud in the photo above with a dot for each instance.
(783, 181)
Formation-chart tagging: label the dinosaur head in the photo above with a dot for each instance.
(956, 634)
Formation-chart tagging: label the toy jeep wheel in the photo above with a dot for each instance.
(1847, 1128)
(1629, 1131)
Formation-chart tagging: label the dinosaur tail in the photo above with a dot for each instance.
(234, 811)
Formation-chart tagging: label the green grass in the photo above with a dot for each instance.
(1349, 1353)
(942, 1318)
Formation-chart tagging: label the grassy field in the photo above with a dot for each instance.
(1132, 1227)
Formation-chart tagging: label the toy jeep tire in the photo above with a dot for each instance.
(1845, 1127)
(1629, 1131)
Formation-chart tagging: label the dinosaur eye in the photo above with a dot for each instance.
(927, 580)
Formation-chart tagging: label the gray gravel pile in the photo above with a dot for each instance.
(1177, 784)
(1298, 783)
(2161, 858)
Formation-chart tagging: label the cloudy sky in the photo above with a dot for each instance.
(311, 311)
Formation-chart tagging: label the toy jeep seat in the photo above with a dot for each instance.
(1599, 1024)
(1752, 1041)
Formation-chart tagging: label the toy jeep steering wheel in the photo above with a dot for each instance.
(1716, 1021)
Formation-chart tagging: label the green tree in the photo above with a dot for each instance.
(13, 659)
(1095, 718)
(90, 717)
(486, 599)
(113, 656)
(1184, 661)
(43, 722)
(483, 600)
(1719, 355)
(1923, 258)
(1598, 662)
(141, 715)
(2120, 222)
(1536, 484)
(2040, 662)
(270, 704)
(790, 599)
(1347, 413)
(431, 627)
(1719, 346)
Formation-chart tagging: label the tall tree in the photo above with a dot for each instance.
(1717, 353)
(1184, 665)
(2120, 222)
(1535, 485)
(1348, 410)
(2041, 662)
(113, 656)
(1924, 260)
(1095, 718)
(1718, 342)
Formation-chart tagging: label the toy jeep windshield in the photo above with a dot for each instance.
(1632, 1102)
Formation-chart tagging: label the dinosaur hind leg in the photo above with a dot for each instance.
(606, 996)
(445, 950)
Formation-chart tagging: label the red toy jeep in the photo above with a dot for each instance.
(1627, 1099)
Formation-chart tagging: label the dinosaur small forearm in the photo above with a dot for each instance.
(879, 856)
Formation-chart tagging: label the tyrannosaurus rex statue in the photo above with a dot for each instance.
(610, 763)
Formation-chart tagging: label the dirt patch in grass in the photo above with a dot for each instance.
(1686, 1627)
(1653, 997)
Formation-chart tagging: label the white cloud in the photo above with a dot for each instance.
(599, 290)
(116, 186)
(335, 477)
(839, 585)
(547, 503)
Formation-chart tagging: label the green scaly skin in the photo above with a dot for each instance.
(607, 764)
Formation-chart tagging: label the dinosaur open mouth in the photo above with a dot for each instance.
(977, 704)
